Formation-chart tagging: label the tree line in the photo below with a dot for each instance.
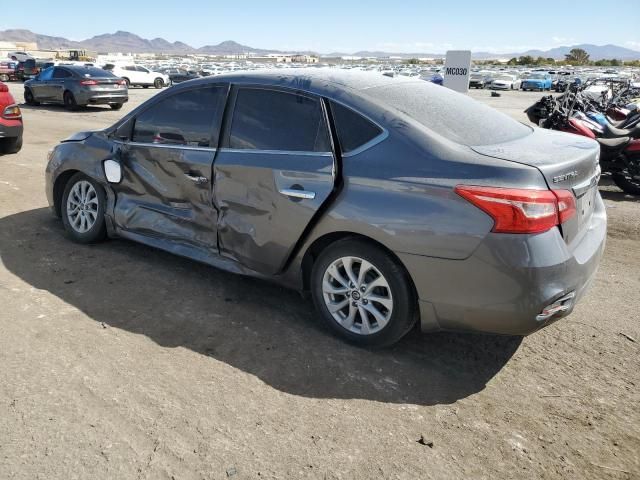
(577, 56)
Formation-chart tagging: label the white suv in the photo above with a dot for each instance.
(137, 75)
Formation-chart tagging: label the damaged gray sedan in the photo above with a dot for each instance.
(393, 201)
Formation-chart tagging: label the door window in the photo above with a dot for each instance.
(186, 118)
(61, 73)
(353, 129)
(274, 120)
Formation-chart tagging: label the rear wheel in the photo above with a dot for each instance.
(70, 102)
(158, 83)
(115, 106)
(4, 77)
(83, 207)
(363, 294)
(10, 145)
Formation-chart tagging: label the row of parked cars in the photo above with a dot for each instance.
(503, 81)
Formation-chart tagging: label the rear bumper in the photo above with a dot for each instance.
(102, 98)
(11, 131)
(504, 286)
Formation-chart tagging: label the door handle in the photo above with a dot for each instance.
(290, 192)
(198, 180)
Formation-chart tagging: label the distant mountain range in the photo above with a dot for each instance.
(127, 42)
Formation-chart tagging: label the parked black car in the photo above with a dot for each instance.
(178, 75)
(75, 86)
(27, 70)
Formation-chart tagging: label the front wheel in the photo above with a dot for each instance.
(115, 106)
(29, 98)
(363, 294)
(158, 83)
(83, 207)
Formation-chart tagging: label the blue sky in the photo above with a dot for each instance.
(341, 25)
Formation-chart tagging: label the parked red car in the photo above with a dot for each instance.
(10, 122)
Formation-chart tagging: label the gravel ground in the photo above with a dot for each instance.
(120, 361)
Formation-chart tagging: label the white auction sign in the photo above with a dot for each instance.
(457, 68)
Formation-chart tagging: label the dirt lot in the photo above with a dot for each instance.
(122, 362)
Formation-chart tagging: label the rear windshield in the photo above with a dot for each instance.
(90, 72)
(454, 116)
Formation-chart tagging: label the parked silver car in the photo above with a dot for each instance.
(76, 86)
(392, 200)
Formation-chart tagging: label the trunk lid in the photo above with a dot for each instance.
(567, 162)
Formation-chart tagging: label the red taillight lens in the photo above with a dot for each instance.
(12, 112)
(88, 82)
(517, 210)
(3, 88)
(566, 205)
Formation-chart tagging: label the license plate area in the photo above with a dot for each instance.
(586, 204)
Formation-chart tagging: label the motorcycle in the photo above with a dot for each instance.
(595, 118)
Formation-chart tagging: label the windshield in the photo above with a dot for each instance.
(454, 116)
(536, 75)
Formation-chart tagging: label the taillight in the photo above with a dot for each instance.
(88, 82)
(12, 112)
(517, 210)
(122, 82)
(3, 88)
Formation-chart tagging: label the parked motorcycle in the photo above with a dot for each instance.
(615, 127)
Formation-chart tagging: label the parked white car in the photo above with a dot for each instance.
(19, 56)
(136, 75)
(505, 82)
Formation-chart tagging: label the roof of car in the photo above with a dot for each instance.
(311, 78)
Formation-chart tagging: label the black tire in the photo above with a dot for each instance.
(158, 83)
(115, 106)
(10, 145)
(626, 183)
(98, 231)
(145, 86)
(29, 98)
(404, 313)
(70, 102)
(4, 77)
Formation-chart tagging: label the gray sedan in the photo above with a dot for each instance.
(76, 86)
(393, 201)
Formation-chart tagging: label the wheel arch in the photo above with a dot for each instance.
(61, 182)
(315, 249)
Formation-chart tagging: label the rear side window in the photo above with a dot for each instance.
(186, 118)
(353, 129)
(274, 120)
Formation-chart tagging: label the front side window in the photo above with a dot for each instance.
(274, 120)
(353, 129)
(186, 118)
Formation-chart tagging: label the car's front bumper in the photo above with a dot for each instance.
(505, 285)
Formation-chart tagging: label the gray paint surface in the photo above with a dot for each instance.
(398, 193)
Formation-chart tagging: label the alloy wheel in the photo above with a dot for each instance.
(357, 295)
(82, 206)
